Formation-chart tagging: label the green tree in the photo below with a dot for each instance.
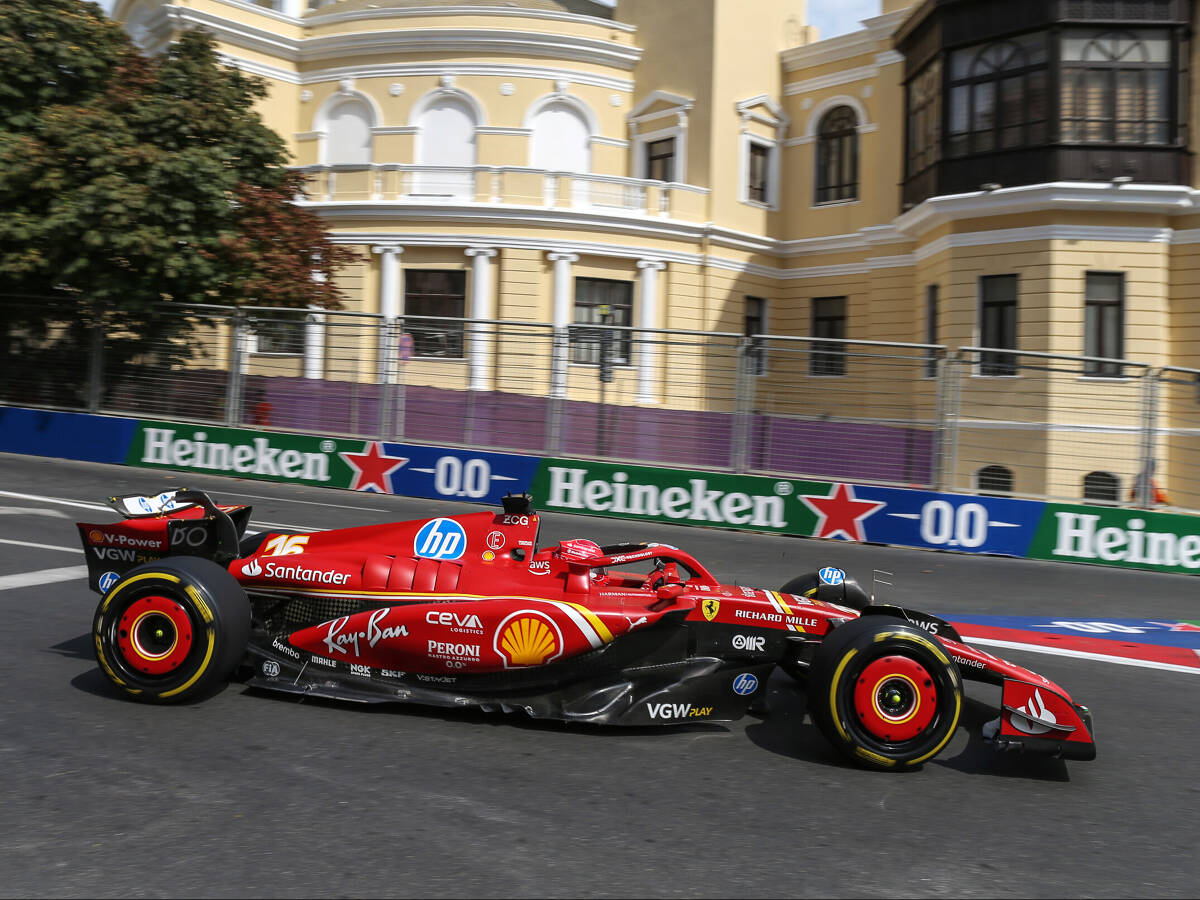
(130, 185)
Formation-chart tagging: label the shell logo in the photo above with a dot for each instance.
(528, 638)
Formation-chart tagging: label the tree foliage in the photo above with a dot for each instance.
(128, 182)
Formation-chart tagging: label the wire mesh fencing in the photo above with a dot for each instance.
(977, 420)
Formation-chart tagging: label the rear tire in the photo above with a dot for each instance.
(172, 630)
(884, 693)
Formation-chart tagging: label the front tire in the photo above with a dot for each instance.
(848, 593)
(172, 630)
(884, 693)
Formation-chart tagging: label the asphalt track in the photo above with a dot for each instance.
(249, 795)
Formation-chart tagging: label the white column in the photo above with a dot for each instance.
(294, 8)
(481, 309)
(561, 319)
(647, 318)
(314, 343)
(391, 289)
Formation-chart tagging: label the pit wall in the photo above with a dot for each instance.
(1032, 529)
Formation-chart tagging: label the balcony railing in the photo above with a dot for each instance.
(399, 183)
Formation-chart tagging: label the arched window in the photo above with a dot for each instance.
(1101, 487)
(1115, 87)
(446, 143)
(994, 480)
(561, 139)
(837, 155)
(348, 134)
(998, 95)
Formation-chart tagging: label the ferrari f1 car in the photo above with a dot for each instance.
(468, 610)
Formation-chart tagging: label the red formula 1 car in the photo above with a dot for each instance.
(466, 610)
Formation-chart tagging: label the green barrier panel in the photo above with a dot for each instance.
(1128, 538)
(749, 502)
(267, 456)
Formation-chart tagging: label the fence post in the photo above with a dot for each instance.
(1144, 483)
(743, 402)
(559, 342)
(947, 401)
(391, 388)
(238, 337)
(96, 360)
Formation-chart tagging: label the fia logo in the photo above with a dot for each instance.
(270, 668)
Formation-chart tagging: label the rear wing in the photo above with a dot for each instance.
(178, 522)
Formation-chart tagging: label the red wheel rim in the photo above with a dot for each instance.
(895, 698)
(154, 635)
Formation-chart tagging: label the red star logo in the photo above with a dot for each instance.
(1179, 626)
(372, 468)
(841, 513)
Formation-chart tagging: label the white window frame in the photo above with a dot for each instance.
(638, 119)
(678, 160)
(763, 111)
(773, 170)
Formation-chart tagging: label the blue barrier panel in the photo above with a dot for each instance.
(65, 435)
(440, 473)
(951, 521)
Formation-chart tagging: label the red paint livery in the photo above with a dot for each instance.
(467, 611)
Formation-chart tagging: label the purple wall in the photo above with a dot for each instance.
(520, 423)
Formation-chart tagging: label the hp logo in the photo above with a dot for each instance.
(440, 539)
(830, 575)
(745, 684)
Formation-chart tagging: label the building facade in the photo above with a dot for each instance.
(1012, 176)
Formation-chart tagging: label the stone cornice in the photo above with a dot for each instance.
(1084, 196)
(465, 9)
(846, 46)
(468, 41)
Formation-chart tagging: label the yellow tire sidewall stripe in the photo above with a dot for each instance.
(208, 654)
(928, 645)
(201, 606)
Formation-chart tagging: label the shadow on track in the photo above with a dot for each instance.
(979, 758)
(76, 648)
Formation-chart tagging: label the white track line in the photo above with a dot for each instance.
(42, 546)
(46, 576)
(1083, 654)
(31, 511)
(41, 499)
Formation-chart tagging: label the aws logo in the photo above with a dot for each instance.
(528, 638)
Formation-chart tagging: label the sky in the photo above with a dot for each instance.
(832, 17)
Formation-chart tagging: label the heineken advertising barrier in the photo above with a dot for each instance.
(1032, 529)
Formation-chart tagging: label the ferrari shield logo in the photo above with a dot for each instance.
(710, 607)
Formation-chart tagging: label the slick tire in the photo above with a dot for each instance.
(172, 630)
(850, 595)
(884, 693)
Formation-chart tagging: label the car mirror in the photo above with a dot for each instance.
(670, 591)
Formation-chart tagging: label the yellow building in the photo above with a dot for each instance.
(1000, 174)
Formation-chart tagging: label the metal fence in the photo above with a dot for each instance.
(975, 419)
